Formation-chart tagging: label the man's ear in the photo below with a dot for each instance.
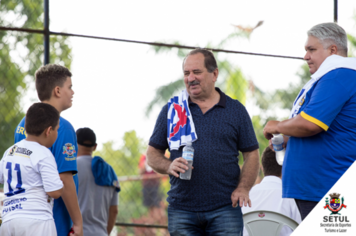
(333, 49)
(94, 147)
(48, 131)
(216, 74)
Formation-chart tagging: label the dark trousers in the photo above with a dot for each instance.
(305, 207)
(224, 221)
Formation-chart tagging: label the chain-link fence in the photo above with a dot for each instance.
(142, 200)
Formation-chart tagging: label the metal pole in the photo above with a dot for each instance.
(335, 11)
(46, 32)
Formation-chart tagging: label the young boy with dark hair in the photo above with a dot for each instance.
(29, 173)
(54, 87)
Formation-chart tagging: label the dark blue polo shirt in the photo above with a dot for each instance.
(222, 132)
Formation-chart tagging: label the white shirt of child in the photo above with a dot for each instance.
(28, 170)
(268, 196)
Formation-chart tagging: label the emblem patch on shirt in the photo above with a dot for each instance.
(69, 149)
(116, 184)
(335, 205)
(19, 151)
(12, 151)
(302, 101)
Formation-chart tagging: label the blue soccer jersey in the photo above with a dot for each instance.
(314, 164)
(65, 152)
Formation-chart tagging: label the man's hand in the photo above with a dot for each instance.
(78, 230)
(240, 195)
(247, 179)
(270, 129)
(178, 165)
(286, 138)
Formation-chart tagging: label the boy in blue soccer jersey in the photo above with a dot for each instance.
(29, 173)
(54, 87)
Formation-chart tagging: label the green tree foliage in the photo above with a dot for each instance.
(21, 54)
(11, 84)
(125, 163)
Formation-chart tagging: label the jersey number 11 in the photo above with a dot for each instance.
(9, 179)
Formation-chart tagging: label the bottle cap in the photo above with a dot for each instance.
(277, 139)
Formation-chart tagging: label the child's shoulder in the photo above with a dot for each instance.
(65, 124)
(36, 150)
(9, 151)
(32, 150)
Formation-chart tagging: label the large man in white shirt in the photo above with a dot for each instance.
(268, 194)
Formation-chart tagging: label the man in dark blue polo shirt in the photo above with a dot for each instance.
(211, 201)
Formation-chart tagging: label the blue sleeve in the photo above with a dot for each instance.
(158, 139)
(20, 132)
(247, 140)
(327, 99)
(65, 150)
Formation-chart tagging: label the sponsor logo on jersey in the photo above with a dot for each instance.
(24, 151)
(12, 151)
(14, 201)
(69, 149)
(13, 205)
(19, 151)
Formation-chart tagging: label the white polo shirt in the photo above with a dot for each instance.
(268, 196)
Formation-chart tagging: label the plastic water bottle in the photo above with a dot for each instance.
(188, 154)
(277, 142)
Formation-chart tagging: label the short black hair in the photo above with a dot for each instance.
(209, 59)
(48, 77)
(269, 163)
(39, 117)
(86, 137)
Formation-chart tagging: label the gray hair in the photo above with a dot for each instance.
(330, 33)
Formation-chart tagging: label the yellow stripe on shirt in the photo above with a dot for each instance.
(315, 121)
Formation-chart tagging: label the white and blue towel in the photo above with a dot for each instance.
(330, 63)
(180, 125)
